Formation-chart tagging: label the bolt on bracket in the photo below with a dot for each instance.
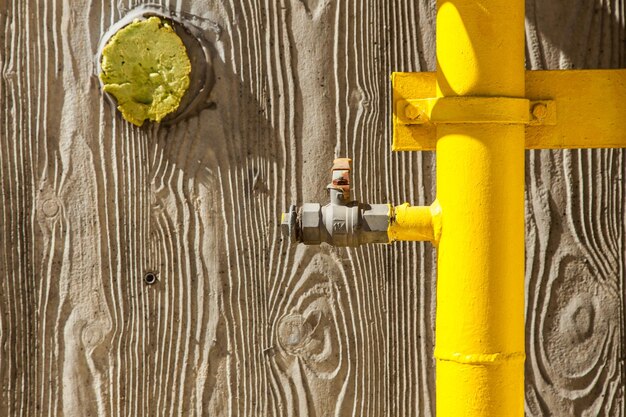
(589, 116)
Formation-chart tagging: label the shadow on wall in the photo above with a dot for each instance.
(203, 190)
(574, 321)
(581, 34)
(219, 180)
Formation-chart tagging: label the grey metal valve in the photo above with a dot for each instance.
(341, 222)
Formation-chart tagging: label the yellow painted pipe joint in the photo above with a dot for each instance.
(480, 359)
(415, 223)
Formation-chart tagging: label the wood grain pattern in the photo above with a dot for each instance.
(575, 233)
(238, 323)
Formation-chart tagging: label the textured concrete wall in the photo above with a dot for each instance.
(238, 323)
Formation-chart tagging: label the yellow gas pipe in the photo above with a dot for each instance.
(415, 223)
(479, 112)
(480, 192)
(480, 186)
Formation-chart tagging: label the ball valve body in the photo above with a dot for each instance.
(347, 222)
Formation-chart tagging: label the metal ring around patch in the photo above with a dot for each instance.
(201, 78)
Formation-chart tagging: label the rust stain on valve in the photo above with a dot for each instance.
(341, 176)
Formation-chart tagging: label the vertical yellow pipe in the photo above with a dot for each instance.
(480, 186)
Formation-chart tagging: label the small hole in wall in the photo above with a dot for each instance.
(150, 278)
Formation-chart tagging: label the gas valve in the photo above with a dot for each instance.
(341, 222)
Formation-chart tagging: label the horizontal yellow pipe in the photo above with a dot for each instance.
(413, 223)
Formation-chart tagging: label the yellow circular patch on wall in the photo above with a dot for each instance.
(145, 66)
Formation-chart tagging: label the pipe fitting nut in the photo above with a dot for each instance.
(288, 225)
(375, 223)
(310, 221)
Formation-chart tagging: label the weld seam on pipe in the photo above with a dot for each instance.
(480, 358)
